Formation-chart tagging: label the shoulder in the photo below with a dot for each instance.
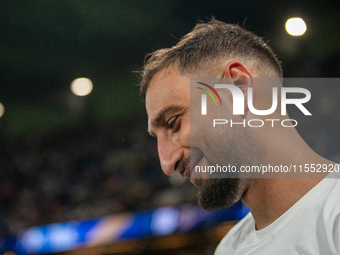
(331, 208)
(328, 224)
(236, 235)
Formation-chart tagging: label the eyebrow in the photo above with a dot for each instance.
(156, 122)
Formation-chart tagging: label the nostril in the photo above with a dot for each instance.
(176, 165)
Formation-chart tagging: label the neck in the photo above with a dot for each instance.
(268, 199)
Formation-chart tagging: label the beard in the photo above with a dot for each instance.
(217, 193)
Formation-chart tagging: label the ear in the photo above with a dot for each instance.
(241, 77)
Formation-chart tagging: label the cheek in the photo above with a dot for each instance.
(218, 144)
(215, 142)
(185, 133)
(202, 132)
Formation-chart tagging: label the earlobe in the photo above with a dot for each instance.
(241, 77)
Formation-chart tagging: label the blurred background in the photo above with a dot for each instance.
(71, 158)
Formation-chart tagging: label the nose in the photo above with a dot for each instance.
(170, 154)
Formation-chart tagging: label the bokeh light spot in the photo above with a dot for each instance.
(296, 26)
(2, 110)
(81, 86)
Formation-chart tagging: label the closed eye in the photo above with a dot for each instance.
(172, 122)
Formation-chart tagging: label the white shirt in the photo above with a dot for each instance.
(311, 226)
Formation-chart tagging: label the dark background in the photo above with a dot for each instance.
(44, 45)
(64, 157)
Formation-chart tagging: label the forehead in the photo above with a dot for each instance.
(167, 87)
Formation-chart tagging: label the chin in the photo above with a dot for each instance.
(217, 193)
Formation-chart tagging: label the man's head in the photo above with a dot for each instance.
(212, 49)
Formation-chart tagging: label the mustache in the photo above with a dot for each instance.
(186, 161)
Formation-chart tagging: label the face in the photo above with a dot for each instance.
(168, 108)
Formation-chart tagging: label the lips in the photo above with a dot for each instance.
(189, 163)
(195, 157)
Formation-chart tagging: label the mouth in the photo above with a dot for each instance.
(196, 156)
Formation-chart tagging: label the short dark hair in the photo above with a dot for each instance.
(207, 42)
